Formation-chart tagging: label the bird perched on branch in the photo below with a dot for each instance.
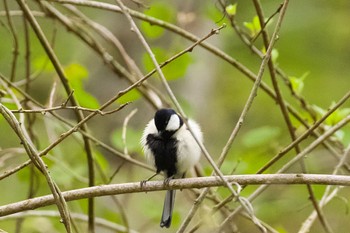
(170, 147)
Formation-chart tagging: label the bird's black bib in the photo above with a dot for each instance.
(164, 151)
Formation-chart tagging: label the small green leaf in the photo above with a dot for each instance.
(76, 73)
(337, 115)
(85, 99)
(159, 11)
(101, 160)
(42, 63)
(298, 83)
(319, 111)
(131, 96)
(174, 70)
(274, 55)
(254, 26)
(231, 9)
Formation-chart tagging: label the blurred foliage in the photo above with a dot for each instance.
(76, 73)
(312, 50)
(176, 70)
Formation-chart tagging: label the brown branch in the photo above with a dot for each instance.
(188, 183)
(285, 113)
(59, 70)
(39, 163)
(15, 50)
(299, 156)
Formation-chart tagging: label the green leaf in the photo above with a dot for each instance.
(131, 96)
(298, 83)
(160, 11)
(337, 115)
(231, 9)
(274, 54)
(76, 73)
(260, 136)
(86, 100)
(254, 26)
(174, 70)
(101, 160)
(42, 63)
(319, 111)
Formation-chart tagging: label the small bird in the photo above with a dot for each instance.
(170, 147)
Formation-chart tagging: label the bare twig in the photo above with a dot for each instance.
(125, 11)
(299, 156)
(108, 148)
(15, 50)
(284, 110)
(59, 70)
(39, 163)
(185, 34)
(327, 196)
(76, 216)
(306, 133)
(63, 107)
(125, 125)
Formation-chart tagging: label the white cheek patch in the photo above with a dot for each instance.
(174, 123)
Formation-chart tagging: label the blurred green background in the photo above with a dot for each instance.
(313, 43)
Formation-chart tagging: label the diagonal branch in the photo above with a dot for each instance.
(39, 163)
(285, 113)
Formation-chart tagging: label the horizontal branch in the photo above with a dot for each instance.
(198, 182)
(101, 222)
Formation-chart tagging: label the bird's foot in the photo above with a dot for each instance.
(167, 180)
(143, 182)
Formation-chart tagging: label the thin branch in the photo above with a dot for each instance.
(15, 50)
(185, 34)
(98, 142)
(107, 57)
(63, 107)
(254, 90)
(39, 163)
(59, 70)
(125, 125)
(306, 134)
(327, 196)
(285, 113)
(299, 156)
(101, 222)
(125, 11)
(186, 183)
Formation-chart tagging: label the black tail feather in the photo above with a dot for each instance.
(168, 209)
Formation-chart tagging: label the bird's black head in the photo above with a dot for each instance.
(167, 121)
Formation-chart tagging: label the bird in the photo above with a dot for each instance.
(171, 148)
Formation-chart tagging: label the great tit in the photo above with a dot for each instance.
(170, 147)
